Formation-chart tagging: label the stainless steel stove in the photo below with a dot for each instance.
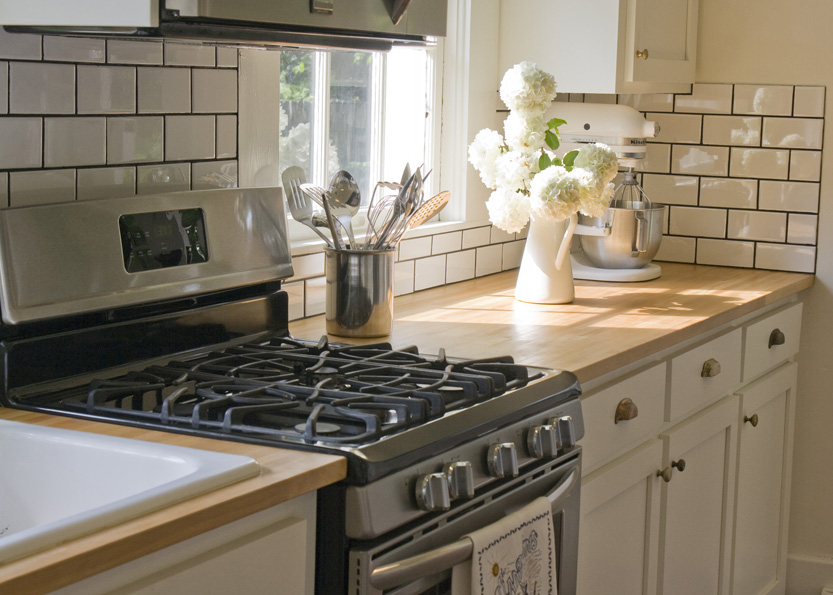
(166, 312)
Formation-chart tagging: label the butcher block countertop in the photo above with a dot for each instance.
(608, 325)
(606, 328)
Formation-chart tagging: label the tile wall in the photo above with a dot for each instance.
(740, 168)
(84, 118)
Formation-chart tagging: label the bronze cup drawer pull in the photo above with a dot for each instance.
(711, 368)
(776, 337)
(625, 410)
(666, 473)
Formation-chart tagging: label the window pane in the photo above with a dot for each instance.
(351, 121)
(297, 70)
(406, 111)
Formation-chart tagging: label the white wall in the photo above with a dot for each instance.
(776, 42)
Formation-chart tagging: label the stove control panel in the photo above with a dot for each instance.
(502, 460)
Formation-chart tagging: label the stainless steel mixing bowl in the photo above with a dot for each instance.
(634, 237)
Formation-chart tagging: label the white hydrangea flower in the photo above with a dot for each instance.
(596, 203)
(557, 193)
(508, 210)
(600, 159)
(525, 87)
(514, 170)
(483, 154)
(525, 131)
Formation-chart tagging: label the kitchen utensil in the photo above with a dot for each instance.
(359, 292)
(429, 209)
(346, 199)
(299, 203)
(331, 222)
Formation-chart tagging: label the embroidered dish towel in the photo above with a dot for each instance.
(514, 556)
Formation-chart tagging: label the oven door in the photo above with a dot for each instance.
(419, 561)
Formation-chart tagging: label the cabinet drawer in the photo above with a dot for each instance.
(604, 436)
(771, 340)
(704, 373)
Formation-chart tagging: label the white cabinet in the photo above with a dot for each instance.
(690, 494)
(271, 552)
(603, 46)
(81, 13)
(761, 516)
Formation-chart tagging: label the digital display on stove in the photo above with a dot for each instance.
(163, 239)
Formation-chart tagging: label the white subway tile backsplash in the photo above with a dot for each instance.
(447, 242)
(106, 89)
(725, 253)
(315, 294)
(477, 236)
(767, 100)
(415, 248)
(649, 102)
(789, 196)
(227, 57)
(732, 130)
(802, 229)
(213, 174)
(21, 143)
(460, 266)
(74, 141)
(512, 254)
(498, 235)
(757, 225)
(671, 190)
(697, 222)
(164, 90)
(784, 257)
(295, 295)
(134, 51)
(677, 128)
(657, 159)
(41, 88)
(706, 99)
(189, 137)
(189, 54)
(27, 188)
(214, 91)
(4, 87)
(165, 177)
(403, 277)
(759, 163)
(429, 272)
(798, 133)
(808, 102)
(700, 160)
(74, 49)
(805, 165)
(226, 137)
(309, 265)
(20, 46)
(728, 193)
(488, 260)
(4, 189)
(106, 182)
(677, 249)
(134, 139)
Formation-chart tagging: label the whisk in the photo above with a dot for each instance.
(629, 194)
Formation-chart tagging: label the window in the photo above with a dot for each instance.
(369, 113)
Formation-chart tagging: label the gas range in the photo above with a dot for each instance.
(167, 312)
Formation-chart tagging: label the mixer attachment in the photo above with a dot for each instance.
(629, 194)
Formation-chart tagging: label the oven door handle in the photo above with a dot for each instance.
(446, 557)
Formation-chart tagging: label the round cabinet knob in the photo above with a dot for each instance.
(566, 431)
(751, 420)
(711, 368)
(625, 410)
(460, 479)
(502, 460)
(432, 492)
(776, 337)
(666, 473)
(679, 465)
(642, 54)
(542, 441)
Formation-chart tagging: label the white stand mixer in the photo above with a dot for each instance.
(620, 245)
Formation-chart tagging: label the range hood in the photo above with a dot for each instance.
(352, 24)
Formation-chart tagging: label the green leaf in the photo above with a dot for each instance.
(552, 140)
(544, 161)
(555, 123)
(570, 158)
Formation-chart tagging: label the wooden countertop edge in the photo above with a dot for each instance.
(92, 554)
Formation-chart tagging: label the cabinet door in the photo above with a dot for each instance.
(764, 468)
(620, 525)
(698, 502)
(81, 13)
(661, 41)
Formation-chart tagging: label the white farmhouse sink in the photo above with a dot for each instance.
(57, 484)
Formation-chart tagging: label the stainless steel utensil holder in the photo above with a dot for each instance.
(359, 293)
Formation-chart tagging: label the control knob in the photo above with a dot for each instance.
(432, 492)
(460, 477)
(542, 441)
(502, 460)
(566, 431)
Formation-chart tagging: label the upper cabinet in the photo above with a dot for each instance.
(603, 46)
(81, 13)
